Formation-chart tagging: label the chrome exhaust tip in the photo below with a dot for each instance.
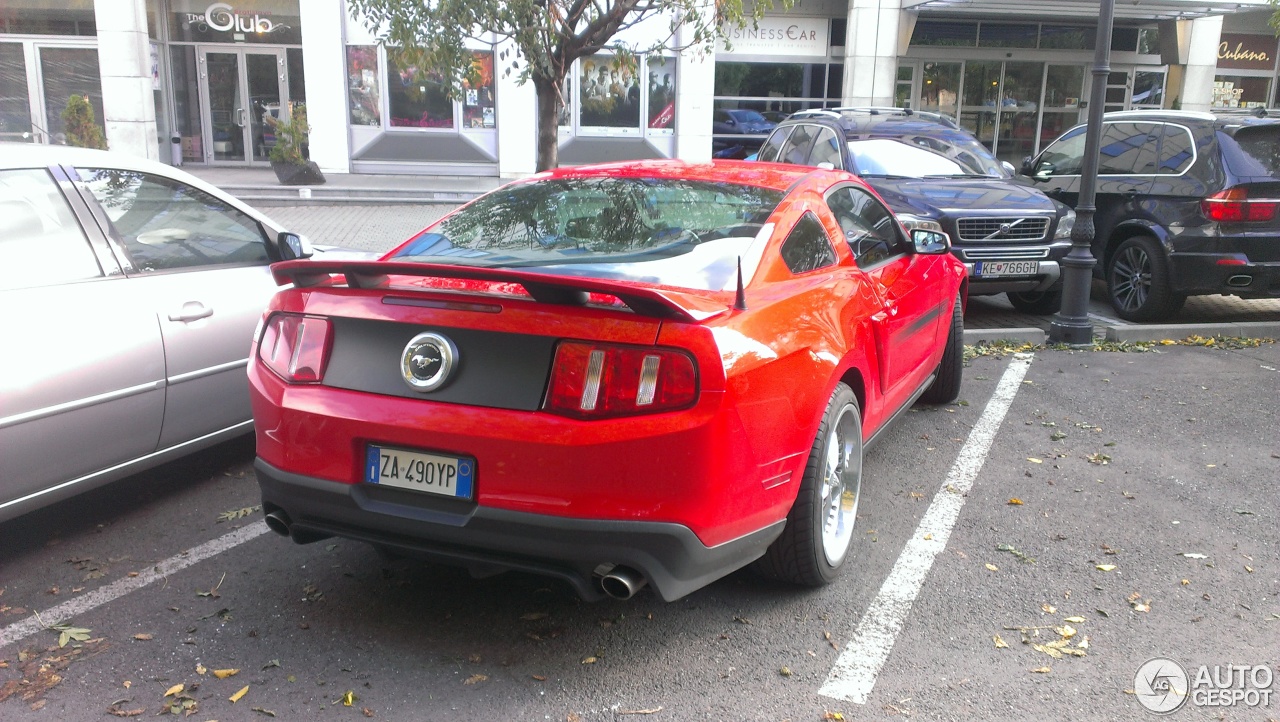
(1240, 280)
(278, 522)
(622, 582)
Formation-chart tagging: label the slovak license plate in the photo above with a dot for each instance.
(433, 473)
(989, 269)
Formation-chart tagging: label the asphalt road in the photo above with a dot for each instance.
(1124, 463)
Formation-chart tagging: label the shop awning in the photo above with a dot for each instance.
(1083, 9)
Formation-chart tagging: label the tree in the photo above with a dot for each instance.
(549, 35)
(80, 126)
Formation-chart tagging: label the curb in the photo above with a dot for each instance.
(1033, 336)
(1171, 331)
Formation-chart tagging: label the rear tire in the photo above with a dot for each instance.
(1138, 282)
(946, 380)
(815, 543)
(1040, 303)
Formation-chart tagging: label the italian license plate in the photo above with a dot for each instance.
(989, 269)
(432, 473)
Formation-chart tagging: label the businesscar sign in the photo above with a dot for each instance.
(780, 36)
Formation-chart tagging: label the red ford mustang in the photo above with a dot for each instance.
(618, 375)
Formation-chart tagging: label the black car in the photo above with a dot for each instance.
(936, 175)
(735, 132)
(1187, 205)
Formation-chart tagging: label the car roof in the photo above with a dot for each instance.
(889, 122)
(1219, 116)
(765, 175)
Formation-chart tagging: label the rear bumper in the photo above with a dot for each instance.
(485, 540)
(1205, 273)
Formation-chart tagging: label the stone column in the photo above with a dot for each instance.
(1202, 63)
(124, 64)
(871, 52)
(517, 113)
(695, 86)
(324, 59)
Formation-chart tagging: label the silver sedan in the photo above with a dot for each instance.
(129, 294)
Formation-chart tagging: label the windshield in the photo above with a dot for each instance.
(1256, 152)
(921, 156)
(671, 232)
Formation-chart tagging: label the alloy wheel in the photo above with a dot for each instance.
(841, 484)
(1131, 274)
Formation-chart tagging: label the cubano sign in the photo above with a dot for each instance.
(222, 17)
(1240, 51)
(780, 36)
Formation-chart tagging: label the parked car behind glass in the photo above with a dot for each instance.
(935, 174)
(1188, 204)
(129, 297)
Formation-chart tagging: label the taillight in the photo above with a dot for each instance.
(295, 347)
(1233, 206)
(595, 381)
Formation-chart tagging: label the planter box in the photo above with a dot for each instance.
(291, 174)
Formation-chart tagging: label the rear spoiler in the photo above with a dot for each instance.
(543, 288)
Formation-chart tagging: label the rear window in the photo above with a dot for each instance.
(1253, 151)
(687, 234)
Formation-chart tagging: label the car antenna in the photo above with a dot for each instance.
(740, 299)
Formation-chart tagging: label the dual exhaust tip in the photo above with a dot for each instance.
(618, 582)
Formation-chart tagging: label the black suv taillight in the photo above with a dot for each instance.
(1233, 206)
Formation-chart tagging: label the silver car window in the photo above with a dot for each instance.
(168, 225)
(41, 243)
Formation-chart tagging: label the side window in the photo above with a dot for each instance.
(773, 144)
(1127, 148)
(41, 243)
(796, 149)
(1176, 152)
(168, 225)
(1064, 156)
(826, 149)
(869, 228)
(807, 247)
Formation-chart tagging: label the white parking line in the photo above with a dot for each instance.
(121, 587)
(855, 671)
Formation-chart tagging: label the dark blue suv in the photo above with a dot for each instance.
(936, 175)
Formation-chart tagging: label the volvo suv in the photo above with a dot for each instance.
(936, 175)
(1188, 204)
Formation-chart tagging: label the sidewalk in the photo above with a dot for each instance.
(259, 186)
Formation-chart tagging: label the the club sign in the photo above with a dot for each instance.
(222, 17)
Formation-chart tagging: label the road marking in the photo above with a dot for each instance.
(121, 587)
(855, 671)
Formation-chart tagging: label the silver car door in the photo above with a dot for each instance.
(82, 374)
(204, 266)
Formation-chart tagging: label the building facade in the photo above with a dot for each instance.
(194, 81)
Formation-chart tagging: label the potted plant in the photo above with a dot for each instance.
(81, 128)
(289, 153)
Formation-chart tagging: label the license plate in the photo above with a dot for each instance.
(432, 473)
(988, 269)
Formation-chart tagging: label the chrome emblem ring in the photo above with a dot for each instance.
(428, 361)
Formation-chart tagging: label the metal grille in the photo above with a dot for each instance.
(1004, 254)
(1004, 229)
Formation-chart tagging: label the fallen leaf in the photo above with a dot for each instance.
(267, 712)
(928, 537)
(785, 671)
(1084, 643)
(116, 711)
(236, 697)
(1000, 643)
(833, 716)
(1034, 460)
(476, 679)
(1074, 620)
(1052, 652)
(1102, 612)
(1248, 568)
(992, 567)
(201, 669)
(366, 711)
(1105, 567)
(1015, 501)
(589, 660)
(1048, 608)
(224, 673)
(538, 677)
(175, 689)
(272, 663)
(127, 684)
(1041, 670)
(349, 698)
(1066, 631)
(654, 710)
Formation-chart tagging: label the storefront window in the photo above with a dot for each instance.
(68, 72)
(297, 77)
(186, 101)
(1236, 91)
(418, 97)
(1148, 89)
(48, 17)
(662, 94)
(945, 33)
(610, 94)
(940, 87)
(477, 96)
(276, 22)
(15, 107)
(998, 35)
(362, 85)
(1067, 37)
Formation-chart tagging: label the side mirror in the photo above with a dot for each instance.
(1008, 167)
(930, 243)
(1027, 165)
(292, 246)
(730, 122)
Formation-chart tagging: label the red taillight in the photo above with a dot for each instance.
(295, 347)
(595, 381)
(1233, 206)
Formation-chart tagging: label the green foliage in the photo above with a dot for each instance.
(82, 128)
(1274, 20)
(291, 135)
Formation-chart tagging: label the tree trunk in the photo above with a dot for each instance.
(548, 123)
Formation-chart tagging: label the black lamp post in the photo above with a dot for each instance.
(1071, 325)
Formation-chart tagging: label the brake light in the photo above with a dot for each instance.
(295, 347)
(1233, 206)
(596, 381)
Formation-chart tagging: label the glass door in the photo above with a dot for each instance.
(244, 91)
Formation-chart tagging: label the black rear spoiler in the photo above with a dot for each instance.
(567, 290)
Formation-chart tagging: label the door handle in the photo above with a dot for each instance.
(191, 311)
